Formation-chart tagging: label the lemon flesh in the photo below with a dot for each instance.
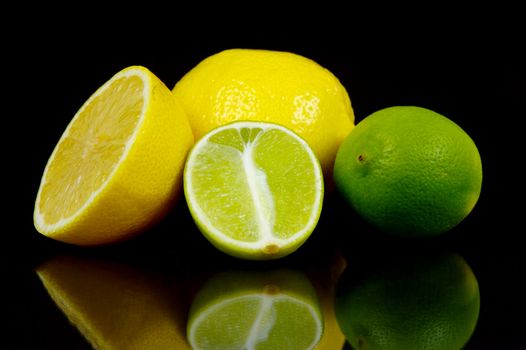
(92, 139)
(118, 166)
(254, 189)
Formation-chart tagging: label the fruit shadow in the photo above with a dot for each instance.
(357, 239)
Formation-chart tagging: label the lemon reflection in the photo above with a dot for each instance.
(256, 310)
(115, 306)
(324, 274)
(425, 301)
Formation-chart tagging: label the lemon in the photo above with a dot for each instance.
(409, 171)
(116, 306)
(255, 310)
(118, 165)
(324, 274)
(409, 301)
(254, 189)
(273, 86)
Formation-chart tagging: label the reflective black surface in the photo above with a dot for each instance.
(166, 267)
(163, 270)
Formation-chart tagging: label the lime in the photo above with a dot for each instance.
(116, 306)
(273, 86)
(255, 310)
(118, 167)
(409, 171)
(416, 302)
(255, 189)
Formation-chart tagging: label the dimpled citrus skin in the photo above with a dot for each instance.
(262, 85)
(409, 171)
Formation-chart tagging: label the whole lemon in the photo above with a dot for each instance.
(264, 85)
(409, 171)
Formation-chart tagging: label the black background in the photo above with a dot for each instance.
(475, 77)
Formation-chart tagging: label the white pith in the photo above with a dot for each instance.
(38, 217)
(259, 187)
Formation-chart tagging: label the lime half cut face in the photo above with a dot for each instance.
(255, 189)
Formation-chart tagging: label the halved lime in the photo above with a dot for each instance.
(256, 310)
(255, 189)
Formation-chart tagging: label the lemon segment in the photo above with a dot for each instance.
(254, 189)
(118, 166)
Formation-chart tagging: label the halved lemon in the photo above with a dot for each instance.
(254, 189)
(118, 165)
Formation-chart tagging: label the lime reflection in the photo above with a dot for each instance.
(409, 301)
(116, 306)
(256, 310)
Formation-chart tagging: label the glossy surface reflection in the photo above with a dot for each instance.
(128, 303)
(256, 310)
(397, 300)
(116, 306)
(407, 300)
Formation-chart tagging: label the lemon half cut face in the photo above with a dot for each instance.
(118, 166)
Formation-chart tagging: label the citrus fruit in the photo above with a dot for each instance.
(254, 189)
(118, 165)
(409, 302)
(273, 86)
(409, 171)
(116, 306)
(324, 272)
(255, 310)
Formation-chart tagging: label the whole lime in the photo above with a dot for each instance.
(418, 301)
(409, 171)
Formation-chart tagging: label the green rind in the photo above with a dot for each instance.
(409, 171)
